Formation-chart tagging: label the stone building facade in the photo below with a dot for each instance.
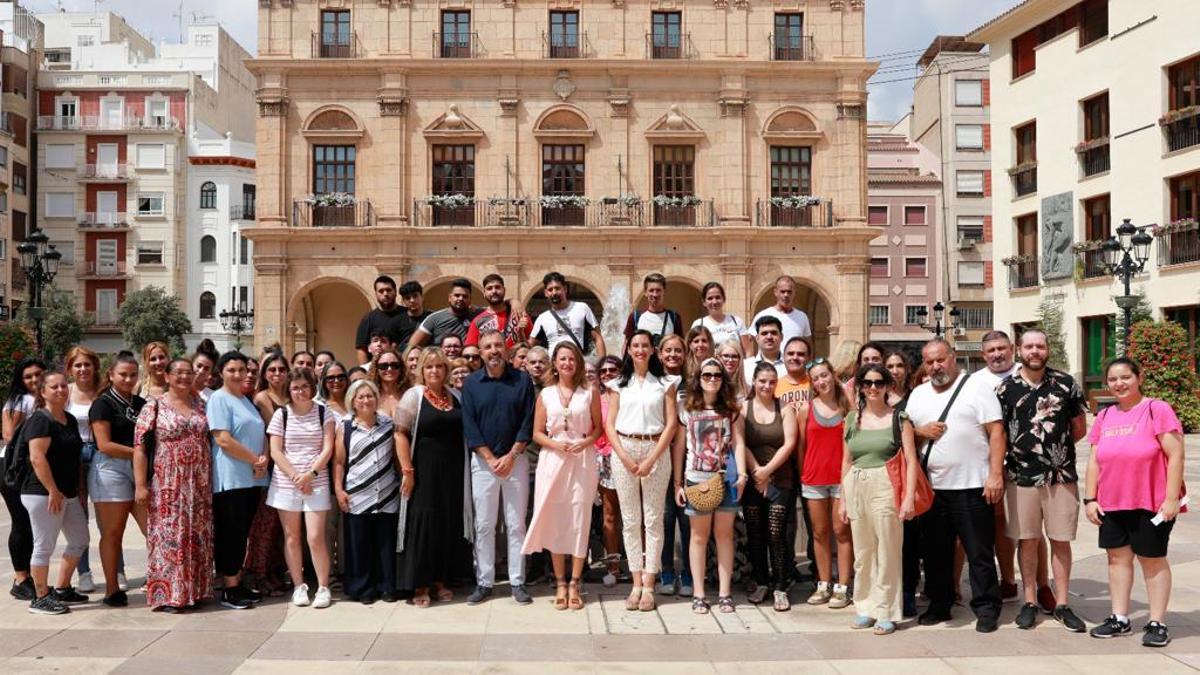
(559, 123)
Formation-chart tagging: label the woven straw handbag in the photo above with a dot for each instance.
(706, 496)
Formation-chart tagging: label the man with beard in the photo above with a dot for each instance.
(498, 316)
(1045, 414)
(965, 461)
(389, 317)
(566, 320)
(452, 320)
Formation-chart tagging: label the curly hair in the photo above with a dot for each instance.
(727, 397)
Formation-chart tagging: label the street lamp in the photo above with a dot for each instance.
(1124, 256)
(939, 329)
(237, 321)
(39, 262)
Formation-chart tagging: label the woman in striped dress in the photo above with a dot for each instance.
(368, 492)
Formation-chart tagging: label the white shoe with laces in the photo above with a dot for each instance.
(122, 582)
(323, 598)
(300, 596)
(86, 583)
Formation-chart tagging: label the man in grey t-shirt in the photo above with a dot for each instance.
(453, 320)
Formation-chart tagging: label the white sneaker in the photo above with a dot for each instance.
(86, 584)
(300, 596)
(122, 582)
(322, 599)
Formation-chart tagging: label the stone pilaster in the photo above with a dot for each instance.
(274, 204)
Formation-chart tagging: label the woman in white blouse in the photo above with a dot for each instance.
(641, 423)
(723, 326)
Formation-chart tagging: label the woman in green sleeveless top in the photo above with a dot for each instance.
(875, 432)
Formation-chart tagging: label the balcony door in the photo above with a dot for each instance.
(67, 111)
(667, 35)
(456, 34)
(106, 160)
(106, 307)
(106, 257)
(564, 35)
(111, 113)
(674, 176)
(106, 207)
(562, 176)
(335, 33)
(789, 40)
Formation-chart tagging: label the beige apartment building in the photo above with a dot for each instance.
(21, 37)
(608, 139)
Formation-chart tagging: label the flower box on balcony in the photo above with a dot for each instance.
(686, 200)
(1174, 116)
(1181, 225)
(1085, 146)
(795, 202)
(563, 201)
(450, 201)
(1022, 168)
(1088, 245)
(331, 199)
(1014, 260)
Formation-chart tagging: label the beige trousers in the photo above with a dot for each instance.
(643, 501)
(878, 541)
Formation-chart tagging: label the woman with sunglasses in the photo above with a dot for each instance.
(820, 426)
(331, 390)
(608, 370)
(272, 385)
(392, 378)
(641, 425)
(710, 430)
(875, 432)
(671, 351)
(730, 355)
(473, 357)
(770, 440)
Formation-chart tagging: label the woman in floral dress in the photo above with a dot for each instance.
(179, 540)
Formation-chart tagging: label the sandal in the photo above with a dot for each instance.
(699, 606)
(422, 599)
(862, 622)
(725, 603)
(443, 594)
(647, 603)
(632, 602)
(560, 597)
(574, 599)
(782, 604)
(884, 628)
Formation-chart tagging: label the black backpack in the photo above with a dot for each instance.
(16, 459)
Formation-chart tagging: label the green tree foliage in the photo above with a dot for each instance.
(1050, 320)
(1168, 366)
(16, 343)
(63, 326)
(150, 314)
(1142, 311)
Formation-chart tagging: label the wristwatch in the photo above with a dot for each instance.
(1087, 500)
(314, 473)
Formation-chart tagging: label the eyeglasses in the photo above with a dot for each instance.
(872, 384)
(712, 377)
(390, 366)
(473, 357)
(336, 378)
(610, 369)
(815, 362)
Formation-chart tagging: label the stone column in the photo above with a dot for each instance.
(274, 203)
(270, 294)
(734, 197)
(393, 205)
(851, 311)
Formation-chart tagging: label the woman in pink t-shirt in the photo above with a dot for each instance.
(1134, 474)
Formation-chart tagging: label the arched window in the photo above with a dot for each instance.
(208, 195)
(208, 305)
(208, 249)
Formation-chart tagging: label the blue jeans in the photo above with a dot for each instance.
(671, 515)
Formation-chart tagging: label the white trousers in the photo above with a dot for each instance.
(487, 490)
(643, 501)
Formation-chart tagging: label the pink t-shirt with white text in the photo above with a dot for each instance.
(1133, 467)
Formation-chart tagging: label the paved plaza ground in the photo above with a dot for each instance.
(501, 636)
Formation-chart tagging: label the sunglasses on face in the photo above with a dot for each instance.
(815, 362)
(712, 377)
(873, 384)
(472, 357)
(277, 370)
(390, 366)
(610, 370)
(336, 378)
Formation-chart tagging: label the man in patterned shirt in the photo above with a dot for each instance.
(1044, 415)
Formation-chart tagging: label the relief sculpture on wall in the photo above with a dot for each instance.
(1057, 235)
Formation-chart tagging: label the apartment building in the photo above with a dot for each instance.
(1095, 114)
(706, 140)
(20, 37)
(117, 121)
(903, 198)
(950, 118)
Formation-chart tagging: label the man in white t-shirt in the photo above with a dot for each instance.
(966, 470)
(768, 331)
(794, 322)
(565, 320)
(656, 319)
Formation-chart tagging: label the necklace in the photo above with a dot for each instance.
(565, 401)
(440, 401)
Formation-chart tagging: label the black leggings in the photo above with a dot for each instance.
(766, 533)
(20, 536)
(233, 512)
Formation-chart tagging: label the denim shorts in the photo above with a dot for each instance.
(110, 479)
(821, 491)
(727, 502)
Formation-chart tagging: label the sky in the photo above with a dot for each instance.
(897, 31)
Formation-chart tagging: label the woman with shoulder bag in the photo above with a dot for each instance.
(710, 430)
(869, 499)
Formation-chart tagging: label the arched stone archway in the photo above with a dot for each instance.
(324, 314)
(809, 300)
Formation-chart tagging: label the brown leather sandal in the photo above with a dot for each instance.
(560, 596)
(647, 602)
(574, 599)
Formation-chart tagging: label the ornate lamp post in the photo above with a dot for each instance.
(39, 262)
(938, 327)
(1124, 256)
(237, 321)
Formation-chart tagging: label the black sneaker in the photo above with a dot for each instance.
(24, 590)
(521, 595)
(986, 624)
(1027, 616)
(389, 596)
(932, 618)
(1155, 635)
(48, 604)
(232, 599)
(1069, 620)
(69, 596)
(478, 595)
(1112, 627)
(118, 599)
(250, 595)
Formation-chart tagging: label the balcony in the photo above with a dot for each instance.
(1091, 262)
(335, 46)
(106, 321)
(1024, 179)
(565, 46)
(102, 173)
(18, 275)
(669, 46)
(1181, 128)
(1093, 156)
(457, 46)
(616, 212)
(111, 269)
(692, 213)
(791, 47)
(103, 221)
(462, 211)
(1178, 243)
(793, 212)
(1022, 271)
(306, 213)
(127, 122)
(241, 212)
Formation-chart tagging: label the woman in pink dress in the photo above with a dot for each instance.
(179, 538)
(566, 424)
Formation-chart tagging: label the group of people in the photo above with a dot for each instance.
(394, 475)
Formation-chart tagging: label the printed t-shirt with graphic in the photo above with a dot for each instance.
(709, 437)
